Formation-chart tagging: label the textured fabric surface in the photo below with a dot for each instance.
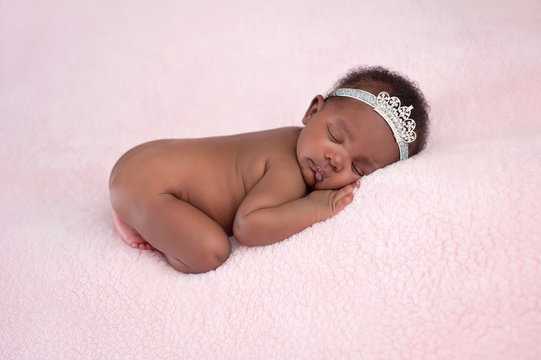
(438, 257)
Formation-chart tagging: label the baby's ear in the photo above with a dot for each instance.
(316, 105)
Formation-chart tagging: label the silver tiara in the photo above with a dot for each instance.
(396, 116)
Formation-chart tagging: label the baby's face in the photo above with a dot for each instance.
(343, 140)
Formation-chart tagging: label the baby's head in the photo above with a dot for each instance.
(358, 127)
(377, 79)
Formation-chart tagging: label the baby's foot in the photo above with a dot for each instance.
(129, 235)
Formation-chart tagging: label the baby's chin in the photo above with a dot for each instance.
(313, 184)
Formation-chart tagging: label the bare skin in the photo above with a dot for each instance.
(185, 197)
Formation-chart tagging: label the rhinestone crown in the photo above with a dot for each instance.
(396, 116)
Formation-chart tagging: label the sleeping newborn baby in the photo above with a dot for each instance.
(185, 197)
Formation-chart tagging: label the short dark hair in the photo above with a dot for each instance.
(376, 79)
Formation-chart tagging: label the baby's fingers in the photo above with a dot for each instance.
(344, 196)
(344, 201)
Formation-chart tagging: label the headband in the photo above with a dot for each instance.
(396, 116)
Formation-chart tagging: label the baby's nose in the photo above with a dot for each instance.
(336, 161)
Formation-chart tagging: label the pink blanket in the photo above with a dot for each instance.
(438, 257)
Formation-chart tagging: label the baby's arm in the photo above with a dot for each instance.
(276, 209)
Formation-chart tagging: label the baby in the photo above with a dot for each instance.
(186, 197)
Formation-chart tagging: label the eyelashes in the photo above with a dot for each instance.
(356, 171)
(332, 137)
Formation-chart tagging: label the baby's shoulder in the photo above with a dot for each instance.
(281, 149)
(282, 141)
(270, 147)
(290, 133)
(282, 163)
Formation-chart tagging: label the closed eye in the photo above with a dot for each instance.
(356, 170)
(331, 136)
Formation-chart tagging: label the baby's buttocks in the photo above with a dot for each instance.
(201, 172)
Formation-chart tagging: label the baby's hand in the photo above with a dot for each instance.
(328, 203)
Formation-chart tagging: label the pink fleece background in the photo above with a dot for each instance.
(437, 258)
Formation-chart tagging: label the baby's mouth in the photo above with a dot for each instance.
(318, 172)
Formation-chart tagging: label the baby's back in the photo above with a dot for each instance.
(212, 174)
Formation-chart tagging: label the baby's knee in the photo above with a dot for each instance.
(211, 254)
(214, 252)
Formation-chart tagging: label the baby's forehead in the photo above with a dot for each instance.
(361, 124)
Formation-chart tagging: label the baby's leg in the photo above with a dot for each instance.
(129, 235)
(190, 240)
